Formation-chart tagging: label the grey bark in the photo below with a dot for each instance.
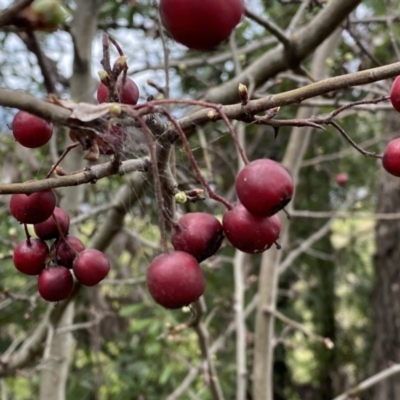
(55, 366)
(386, 291)
(302, 43)
(268, 279)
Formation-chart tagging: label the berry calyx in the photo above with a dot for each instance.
(201, 24)
(91, 266)
(48, 229)
(391, 157)
(129, 94)
(175, 279)
(199, 234)
(30, 256)
(32, 208)
(55, 283)
(264, 187)
(249, 233)
(31, 131)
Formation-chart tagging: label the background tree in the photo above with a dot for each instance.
(296, 323)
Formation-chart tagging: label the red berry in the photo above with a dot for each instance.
(199, 234)
(264, 187)
(201, 24)
(395, 94)
(249, 233)
(29, 257)
(91, 266)
(175, 279)
(30, 130)
(128, 95)
(33, 208)
(55, 283)
(48, 229)
(67, 250)
(391, 157)
(342, 178)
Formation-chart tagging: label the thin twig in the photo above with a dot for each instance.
(203, 335)
(298, 326)
(371, 381)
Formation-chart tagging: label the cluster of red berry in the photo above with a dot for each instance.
(264, 187)
(391, 154)
(33, 256)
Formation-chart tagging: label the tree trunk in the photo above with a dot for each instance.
(55, 371)
(386, 291)
(268, 279)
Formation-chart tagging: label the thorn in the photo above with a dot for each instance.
(287, 214)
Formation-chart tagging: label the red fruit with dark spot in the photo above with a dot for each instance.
(29, 257)
(55, 283)
(199, 234)
(175, 279)
(91, 267)
(129, 94)
(31, 131)
(201, 24)
(395, 94)
(33, 208)
(48, 229)
(264, 187)
(391, 157)
(67, 250)
(342, 179)
(249, 233)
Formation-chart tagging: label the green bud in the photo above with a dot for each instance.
(51, 10)
(180, 197)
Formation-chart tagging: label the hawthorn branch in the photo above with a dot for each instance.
(33, 346)
(62, 116)
(298, 326)
(371, 381)
(344, 214)
(202, 335)
(8, 15)
(303, 42)
(88, 175)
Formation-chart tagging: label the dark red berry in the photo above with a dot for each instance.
(33, 208)
(91, 266)
(67, 250)
(201, 24)
(249, 233)
(264, 187)
(128, 95)
(395, 94)
(391, 157)
(30, 256)
(342, 179)
(30, 130)
(175, 279)
(55, 283)
(48, 229)
(199, 234)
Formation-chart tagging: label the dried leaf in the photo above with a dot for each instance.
(84, 112)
